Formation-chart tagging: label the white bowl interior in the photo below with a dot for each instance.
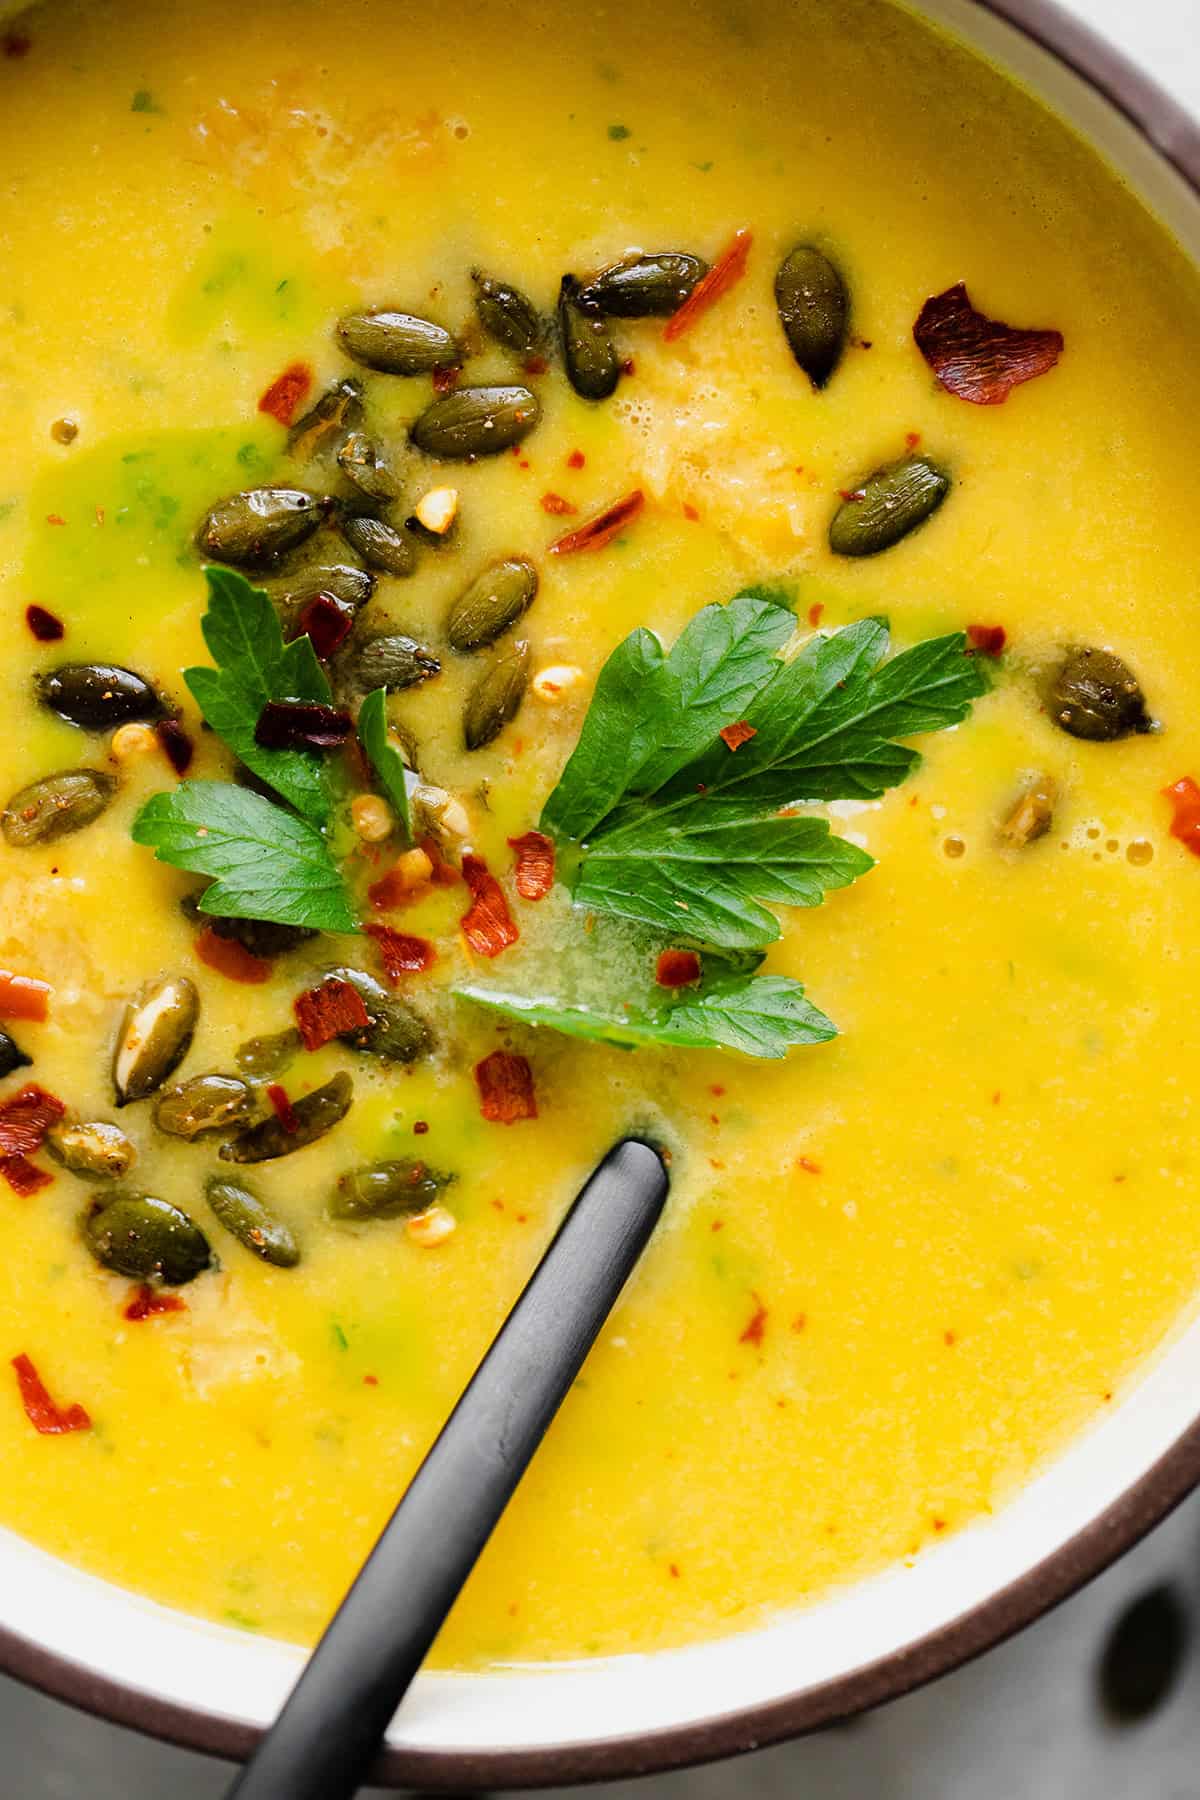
(219, 1671)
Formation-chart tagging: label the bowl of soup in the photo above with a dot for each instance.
(565, 577)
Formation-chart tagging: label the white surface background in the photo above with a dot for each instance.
(1021, 1722)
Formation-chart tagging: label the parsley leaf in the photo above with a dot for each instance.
(254, 665)
(759, 1015)
(267, 863)
(677, 831)
(389, 766)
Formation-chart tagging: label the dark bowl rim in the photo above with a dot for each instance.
(1175, 135)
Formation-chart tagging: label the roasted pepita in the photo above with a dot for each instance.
(252, 1223)
(55, 806)
(147, 1239)
(154, 1036)
(363, 462)
(92, 1148)
(493, 602)
(887, 506)
(397, 343)
(589, 354)
(205, 1103)
(96, 696)
(321, 430)
(311, 1117)
(395, 1032)
(270, 1054)
(476, 421)
(652, 286)
(12, 1056)
(386, 1190)
(389, 660)
(1095, 695)
(380, 545)
(496, 697)
(506, 314)
(341, 581)
(257, 528)
(814, 310)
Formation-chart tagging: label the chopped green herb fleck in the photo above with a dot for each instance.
(618, 132)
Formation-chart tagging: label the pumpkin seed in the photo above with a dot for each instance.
(496, 697)
(379, 544)
(476, 421)
(205, 1103)
(93, 1148)
(814, 310)
(55, 806)
(887, 506)
(147, 1239)
(386, 1190)
(644, 287)
(155, 1033)
(97, 696)
(12, 1056)
(362, 461)
(506, 314)
(246, 1218)
(592, 364)
(493, 602)
(324, 425)
(257, 528)
(395, 1032)
(341, 581)
(397, 343)
(312, 1116)
(1096, 696)
(389, 660)
(270, 1054)
(261, 937)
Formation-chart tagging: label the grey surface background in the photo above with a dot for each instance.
(1022, 1723)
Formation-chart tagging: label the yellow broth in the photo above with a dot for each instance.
(898, 1271)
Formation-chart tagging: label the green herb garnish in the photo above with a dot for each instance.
(386, 761)
(760, 1015)
(254, 665)
(266, 863)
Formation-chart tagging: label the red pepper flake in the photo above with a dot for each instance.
(689, 512)
(725, 273)
(25, 1118)
(989, 640)
(301, 725)
(176, 744)
(370, 1381)
(487, 924)
(283, 397)
(815, 613)
(576, 459)
(505, 1083)
(231, 959)
(1184, 796)
(40, 1410)
(147, 1303)
(23, 1176)
(674, 1571)
(327, 622)
(402, 954)
(392, 890)
(756, 1329)
(911, 439)
(977, 358)
(808, 1164)
(535, 864)
(444, 874)
(55, 519)
(420, 1127)
(45, 627)
(17, 44)
(21, 997)
(555, 504)
(677, 968)
(603, 528)
(535, 365)
(628, 366)
(285, 1112)
(327, 1010)
(445, 379)
(737, 735)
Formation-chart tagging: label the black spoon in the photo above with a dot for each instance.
(324, 1741)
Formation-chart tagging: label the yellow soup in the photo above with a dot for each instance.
(899, 1268)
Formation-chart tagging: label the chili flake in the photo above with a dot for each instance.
(282, 399)
(147, 1303)
(327, 1011)
(677, 968)
(40, 1410)
(725, 273)
(46, 628)
(603, 528)
(737, 735)
(285, 1112)
(487, 925)
(23, 1176)
(555, 504)
(231, 959)
(977, 358)
(402, 953)
(505, 1083)
(1184, 796)
(25, 1118)
(176, 745)
(989, 640)
(535, 864)
(21, 997)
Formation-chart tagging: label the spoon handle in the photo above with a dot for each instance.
(323, 1743)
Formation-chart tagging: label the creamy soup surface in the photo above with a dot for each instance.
(898, 1269)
